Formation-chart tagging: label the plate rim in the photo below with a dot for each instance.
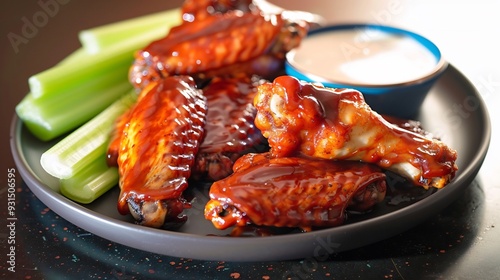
(312, 243)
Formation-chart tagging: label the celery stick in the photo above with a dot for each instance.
(75, 56)
(91, 87)
(101, 37)
(91, 182)
(94, 46)
(66, 76)
(51, 117)
(87, 143)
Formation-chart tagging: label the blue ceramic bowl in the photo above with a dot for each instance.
(392, 67)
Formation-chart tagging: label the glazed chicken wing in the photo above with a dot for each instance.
(298, 117)
(229, 130)
(225, 41)
(157, 149)
(293, 192)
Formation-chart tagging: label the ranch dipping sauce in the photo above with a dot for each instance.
(363, 55)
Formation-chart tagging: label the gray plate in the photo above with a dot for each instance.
(453, 110)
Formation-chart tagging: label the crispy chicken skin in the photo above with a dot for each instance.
(293, 192)
(229, 130)
(298, 117)
(158, 145)
(228, 40)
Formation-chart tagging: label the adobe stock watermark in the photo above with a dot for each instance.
(32, 25)
(487, 86)
(11, 220)
(458, 112)
(382, 16)
(325, 246)
(386, 14)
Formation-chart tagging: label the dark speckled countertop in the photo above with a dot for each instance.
(57, 249)
(461, 242)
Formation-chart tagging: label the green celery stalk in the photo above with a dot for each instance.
(92, 87)
(52, 116)
(87, 143)
(91, 182)
(86, 67)
(98, 38)
(75, 56)
(83, 69)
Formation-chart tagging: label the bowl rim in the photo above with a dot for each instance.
(293, 69)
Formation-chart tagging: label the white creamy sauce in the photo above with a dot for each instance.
(365, 56)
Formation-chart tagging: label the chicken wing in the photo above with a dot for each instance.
(298, 117)
(157, 149)
(229, 130)
(219, 43)
(293, 192)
